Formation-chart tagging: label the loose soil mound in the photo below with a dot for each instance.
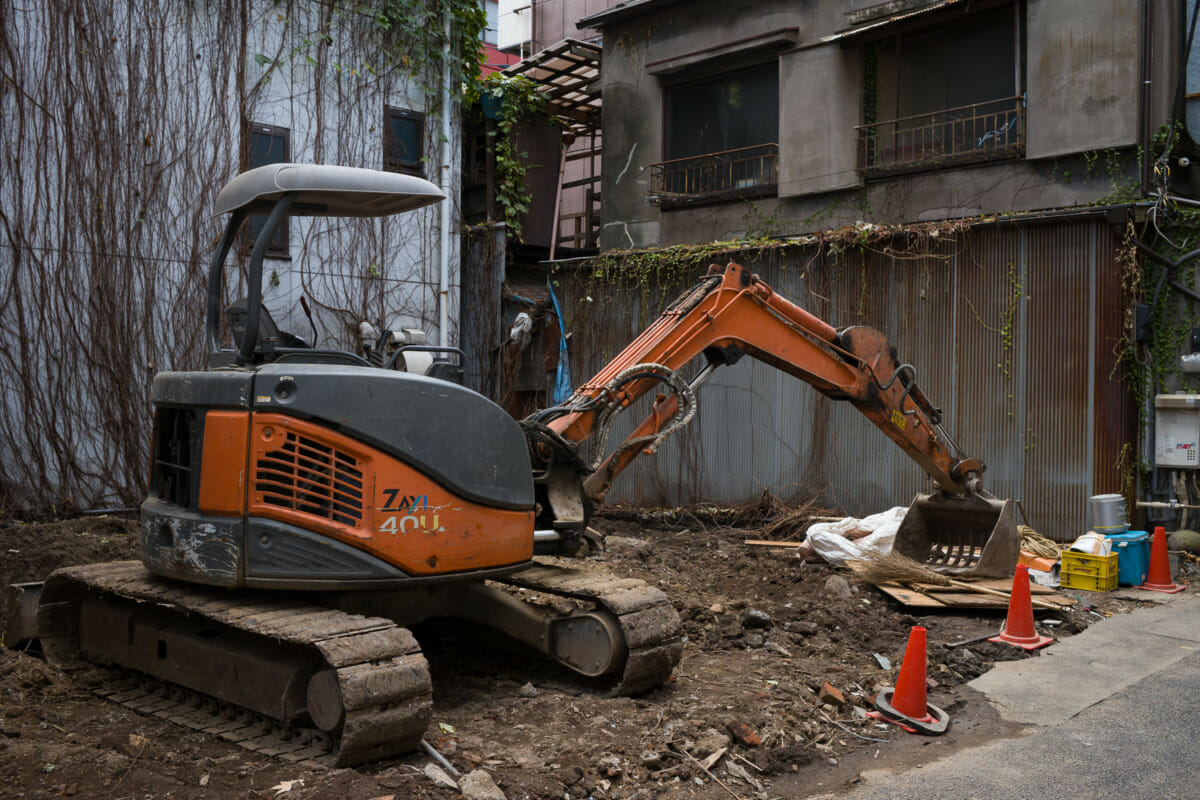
(771, 644)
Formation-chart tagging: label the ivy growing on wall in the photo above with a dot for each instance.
(1153, 363)
(519, 103)
(401, 35)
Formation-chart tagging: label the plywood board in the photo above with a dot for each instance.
(950, 597)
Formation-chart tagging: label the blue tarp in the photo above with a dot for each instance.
(562, 381)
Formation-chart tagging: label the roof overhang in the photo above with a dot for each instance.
(622, 11)
(927, 12)
(568, 74)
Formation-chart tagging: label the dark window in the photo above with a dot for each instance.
(403, 135)
(735, 110)
(268, 145)
(924, 109)
(721, 139)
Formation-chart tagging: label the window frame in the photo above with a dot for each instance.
(281, 246)
(712, 76)
(724, 175)
(490, 35)
(409, 167)
(1004, 123)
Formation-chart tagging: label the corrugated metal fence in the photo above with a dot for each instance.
(1013, 329)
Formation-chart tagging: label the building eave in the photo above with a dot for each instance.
(622, 11)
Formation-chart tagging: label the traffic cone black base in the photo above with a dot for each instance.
(906, 706)
(934, 723)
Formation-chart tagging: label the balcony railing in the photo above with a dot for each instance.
(732, 174)
(979, 132)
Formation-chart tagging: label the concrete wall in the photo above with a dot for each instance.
(1082, 66)
(1083, 76)
(554, 20)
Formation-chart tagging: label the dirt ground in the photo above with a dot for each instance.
(764, 633)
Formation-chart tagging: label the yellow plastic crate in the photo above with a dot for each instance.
(1088, 572)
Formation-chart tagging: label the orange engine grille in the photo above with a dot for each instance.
(313, 478)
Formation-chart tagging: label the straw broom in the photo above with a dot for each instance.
(895, 568)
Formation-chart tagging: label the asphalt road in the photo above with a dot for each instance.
(1113, 714)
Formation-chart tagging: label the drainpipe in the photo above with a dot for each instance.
(444, 289)
(1146, 99)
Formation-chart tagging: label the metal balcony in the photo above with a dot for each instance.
(729, 175)
(953, 136)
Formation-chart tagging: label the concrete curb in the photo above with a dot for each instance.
(1083, 670)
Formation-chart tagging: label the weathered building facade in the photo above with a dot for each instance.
(723, 115)
(964, 176)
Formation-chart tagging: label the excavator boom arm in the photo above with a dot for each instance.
(732, 313)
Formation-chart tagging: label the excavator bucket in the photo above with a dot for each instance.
(962, 536)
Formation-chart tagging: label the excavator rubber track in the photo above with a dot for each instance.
(648, 622)
(367, 674)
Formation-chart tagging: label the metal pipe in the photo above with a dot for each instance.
(1145, 99)
(1174, 199)
(254, 278)
(1174, 504)
(562, 166)
(1179, 287)
(444, 285)
(215, 276)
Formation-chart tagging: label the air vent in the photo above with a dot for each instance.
(175, 455)
(307, 476)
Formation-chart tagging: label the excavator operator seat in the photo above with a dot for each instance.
(268, 331)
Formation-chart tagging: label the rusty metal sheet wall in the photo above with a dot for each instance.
(1115, 416)
(1013, 332)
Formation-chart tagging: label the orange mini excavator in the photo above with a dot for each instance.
(305, 504)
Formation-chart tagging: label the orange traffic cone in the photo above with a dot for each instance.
(1018, 628)
(905, 706)
(1158, 577)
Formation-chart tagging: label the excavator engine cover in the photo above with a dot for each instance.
(963, 536)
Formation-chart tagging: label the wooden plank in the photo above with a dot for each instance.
(997, 584)
(910, 597)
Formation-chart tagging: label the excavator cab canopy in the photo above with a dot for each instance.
(281, 191)
(326, 191)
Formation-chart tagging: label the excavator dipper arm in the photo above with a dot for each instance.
(732, 313)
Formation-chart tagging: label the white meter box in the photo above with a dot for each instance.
(1177, 430)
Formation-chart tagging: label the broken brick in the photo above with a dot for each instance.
(743, 734)
(829, 694)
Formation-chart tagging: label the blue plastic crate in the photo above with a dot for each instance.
(1133, 549)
